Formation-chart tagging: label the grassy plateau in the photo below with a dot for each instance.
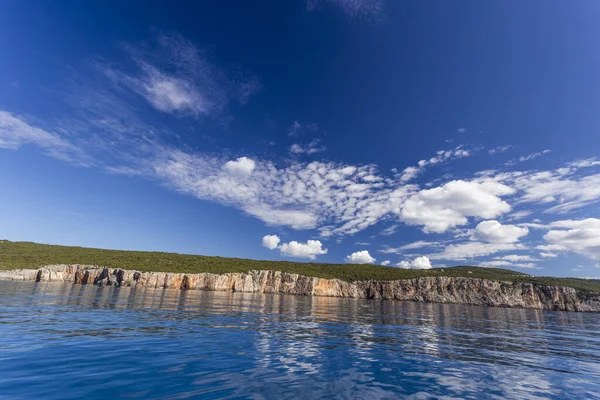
(15, 255)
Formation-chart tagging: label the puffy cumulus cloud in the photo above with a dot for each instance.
(243, 166)
(335, 198)
(578, 236)
(449, 205)
(385, 263)
(494, 232)
(360, 257)
(409, 173)
(311, 249)
(421, 262)
(270, 241)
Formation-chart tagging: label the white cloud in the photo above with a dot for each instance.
(519, 215)
(461, 130)
(390, 230)
(494, 232)
(295, 219)
(548, 255)
(471, 250)
(499, 149)
(241, 167)
(271, 241)
(360, 257)
(311, 148)
(517, 258)
(448, 206)
(335, 198)
(589, 223)
(502, 263)
(311, 249)
(385, 263)
(415, 245)
(170, 94)
(579, 236)
(533, 155)
(421, 262)
(495, 264)
(589, 162)
(15, 132)
(410, 173)
(176, 77)
(561, 191)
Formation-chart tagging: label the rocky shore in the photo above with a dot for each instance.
(438, 289)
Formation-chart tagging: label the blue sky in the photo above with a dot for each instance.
(413, 134)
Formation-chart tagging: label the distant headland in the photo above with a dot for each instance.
(26, 261)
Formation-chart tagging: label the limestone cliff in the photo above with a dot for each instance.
(428, 289)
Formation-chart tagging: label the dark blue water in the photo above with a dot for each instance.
(76, 341)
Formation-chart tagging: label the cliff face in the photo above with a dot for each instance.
(428, 289)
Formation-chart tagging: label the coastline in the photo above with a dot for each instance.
(437, 289)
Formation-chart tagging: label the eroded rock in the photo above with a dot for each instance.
(439, 289)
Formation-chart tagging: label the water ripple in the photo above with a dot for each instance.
(76, 341)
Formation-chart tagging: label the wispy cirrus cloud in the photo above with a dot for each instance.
(352, 8)
(527, 157)
(176, 77)
(16, 132)
(311, 148)
(409, 173)
(560, 191)
(106, 128)
(500, 149)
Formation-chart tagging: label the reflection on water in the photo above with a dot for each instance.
(77, 341)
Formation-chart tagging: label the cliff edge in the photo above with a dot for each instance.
(437, 289)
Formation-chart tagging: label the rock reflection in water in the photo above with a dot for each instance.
(84, 341)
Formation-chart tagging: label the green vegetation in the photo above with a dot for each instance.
(33, 255)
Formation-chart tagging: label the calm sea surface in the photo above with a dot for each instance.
(86, 342)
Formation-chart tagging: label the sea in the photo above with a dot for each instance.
(64, 341)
